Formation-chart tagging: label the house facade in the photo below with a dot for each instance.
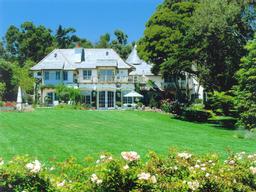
(101, 75)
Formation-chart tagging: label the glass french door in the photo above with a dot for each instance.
(106, 99)
(102, 99)
(110, 99)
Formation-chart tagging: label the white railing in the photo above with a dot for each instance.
(115, 79)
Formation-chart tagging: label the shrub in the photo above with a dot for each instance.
(175, 172)
(177, 108)
(196, 115)
(221, 103)
(166, 106)
(248, 119)
(66, 94)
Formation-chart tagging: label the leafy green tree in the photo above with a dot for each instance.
(29, 42)
(85, 43)
(163, 40)
(246, 88)
(64, 37)
(215, 42)
(5, 77)
(21, 76)
(119, 44)
(104, 41)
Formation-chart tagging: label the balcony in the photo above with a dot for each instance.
(107, 79)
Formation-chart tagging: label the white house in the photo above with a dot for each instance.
(100, 74)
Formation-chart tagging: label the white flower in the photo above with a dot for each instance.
(207, 175)
(253, 170)
(193, 185)
(175, 168)
(30, 166)
(144, 176)
(1, 162)
(99, 181)
(153, 179)
(110, 158)
(98, 161)
(95, 179)
(203, 169)
(203, 165)
(250, 156)
(61, 184)
(102, 157)
(130, 156)
(184, 155)
(231, 162)
(34, 167)
(197, 166)
(126, 167)
(210, 161)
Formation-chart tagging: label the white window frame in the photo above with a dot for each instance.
(87, 74)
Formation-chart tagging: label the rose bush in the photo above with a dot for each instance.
(179, 171)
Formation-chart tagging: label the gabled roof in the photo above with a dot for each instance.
(77, 58)
(141, 67)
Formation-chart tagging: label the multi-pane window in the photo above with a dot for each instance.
(106, 75)
(46, 75)
(57, 75)
(65, 75)
(87, 74)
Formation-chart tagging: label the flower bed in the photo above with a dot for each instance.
(177, 172)
(7, 106)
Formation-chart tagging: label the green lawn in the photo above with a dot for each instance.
(50, 133)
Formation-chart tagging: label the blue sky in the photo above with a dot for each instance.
(90, 18)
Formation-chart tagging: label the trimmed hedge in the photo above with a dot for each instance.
(196, 115)
(176, 172)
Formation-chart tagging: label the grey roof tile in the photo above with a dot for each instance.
(70, 59)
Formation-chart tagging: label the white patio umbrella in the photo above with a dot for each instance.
(19, 100)
(133, 94)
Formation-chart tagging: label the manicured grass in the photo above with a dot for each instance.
(52, 133)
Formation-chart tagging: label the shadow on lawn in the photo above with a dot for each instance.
(213, 124)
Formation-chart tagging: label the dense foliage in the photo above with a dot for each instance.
(163, 40)
(176, 172)
(246, 88)
(205, 38)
